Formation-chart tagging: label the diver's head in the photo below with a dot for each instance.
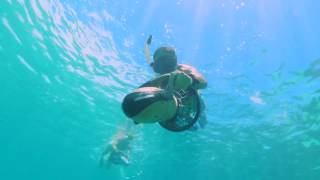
(164, 60)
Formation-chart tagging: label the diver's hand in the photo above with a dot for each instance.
(180, 76)
(169, 90)
(167, 94)
(171, 81)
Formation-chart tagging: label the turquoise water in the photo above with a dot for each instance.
(66, 65)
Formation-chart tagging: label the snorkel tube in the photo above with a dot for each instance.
(146, 50)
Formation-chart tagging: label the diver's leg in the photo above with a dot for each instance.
(105, 153)
(202, 121)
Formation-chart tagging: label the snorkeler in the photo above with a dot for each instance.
(165, 61)
(172, 98)
(118, 150)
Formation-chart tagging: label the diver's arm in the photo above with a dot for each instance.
(179, 80)
(105, 153)
(199, 81)
(168, 91)
(170, 84)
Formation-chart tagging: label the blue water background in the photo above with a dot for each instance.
(66, 65)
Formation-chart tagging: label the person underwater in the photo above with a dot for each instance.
(154, 101)
(118, 150)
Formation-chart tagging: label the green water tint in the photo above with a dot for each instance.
(61, 88)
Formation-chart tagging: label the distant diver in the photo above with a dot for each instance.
(118, 150)
(172, 99)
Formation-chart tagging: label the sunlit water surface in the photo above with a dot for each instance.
(66, 65)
